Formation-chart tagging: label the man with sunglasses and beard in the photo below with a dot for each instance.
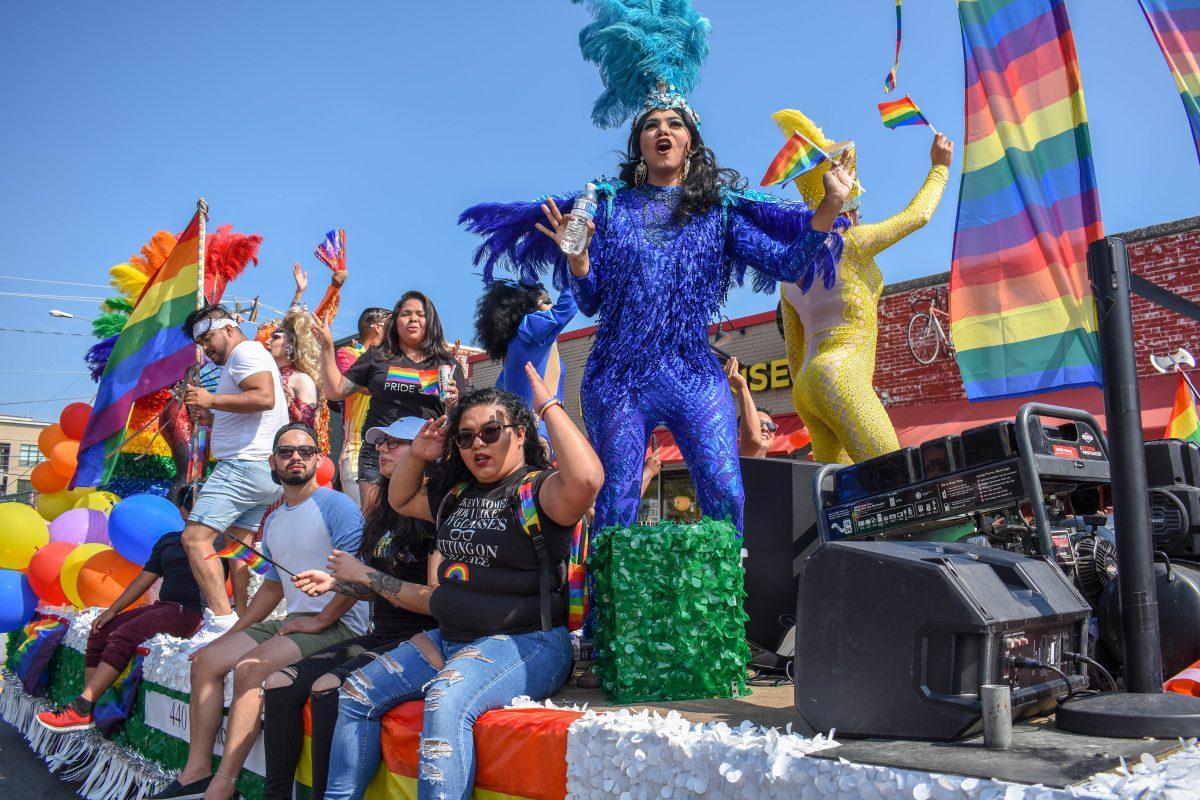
(298, 536)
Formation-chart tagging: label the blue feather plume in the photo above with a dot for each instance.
(97, 355)
(635, 44)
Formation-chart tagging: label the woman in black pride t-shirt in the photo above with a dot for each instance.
(490, 645)
(400, 374)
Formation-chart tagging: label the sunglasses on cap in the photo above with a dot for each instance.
(305, 451)
(488, 434)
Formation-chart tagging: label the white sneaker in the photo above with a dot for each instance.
(214, 626)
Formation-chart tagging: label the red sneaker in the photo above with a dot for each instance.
(65, 721)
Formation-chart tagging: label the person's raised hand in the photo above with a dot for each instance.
(541, 395)
(737, 381)
(838, 180)
(941, 152)
(322, 332)
(558, 225)
(300, 276)
(653, 464)
(430, 442)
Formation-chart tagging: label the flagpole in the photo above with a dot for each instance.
(197, 439)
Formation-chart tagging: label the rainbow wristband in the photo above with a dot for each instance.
(553, 401)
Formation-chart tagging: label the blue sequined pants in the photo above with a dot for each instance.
(696, 405)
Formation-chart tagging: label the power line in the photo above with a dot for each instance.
(27, 402)
(48, 371)
(62, 283)
(54, 297)
(48, 333)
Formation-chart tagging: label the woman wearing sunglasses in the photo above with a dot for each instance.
(392, 572)
(500, 608)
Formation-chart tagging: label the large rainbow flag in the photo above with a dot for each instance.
(151, 353)
(1176, 28)
(1022, 316)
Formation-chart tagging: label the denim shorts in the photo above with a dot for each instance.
(368, 463)
(236, 495)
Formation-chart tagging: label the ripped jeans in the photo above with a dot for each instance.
(478, 676)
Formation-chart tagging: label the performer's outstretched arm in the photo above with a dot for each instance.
(543, 327)
(878, 236)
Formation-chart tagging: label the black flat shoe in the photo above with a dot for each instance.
(183, 791)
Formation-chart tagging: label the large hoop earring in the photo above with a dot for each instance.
(687, 168)
(639, 172)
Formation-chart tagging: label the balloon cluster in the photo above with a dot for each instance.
(80, 546)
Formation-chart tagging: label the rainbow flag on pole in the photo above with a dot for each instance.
(1022, 315)
(898, 113)
(1176, 28)
(889, 80)
(151, 353)
(236, 551)
(1184, 424)
(797, 157)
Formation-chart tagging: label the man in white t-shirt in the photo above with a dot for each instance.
(245, 412)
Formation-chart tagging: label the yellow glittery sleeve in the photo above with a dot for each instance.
(875, 237)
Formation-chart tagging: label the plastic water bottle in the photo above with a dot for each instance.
(575, 237)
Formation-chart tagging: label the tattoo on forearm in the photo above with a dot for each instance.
(352, 589)
(348, 387)
(384, 585)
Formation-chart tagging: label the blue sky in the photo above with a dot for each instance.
(388, 119)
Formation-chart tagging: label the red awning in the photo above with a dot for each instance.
(920, 423)
(791, 435)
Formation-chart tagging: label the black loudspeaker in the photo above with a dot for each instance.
(780, 524)
(895, 639)
(883, 473)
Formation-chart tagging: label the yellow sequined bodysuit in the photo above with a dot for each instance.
(831, 336)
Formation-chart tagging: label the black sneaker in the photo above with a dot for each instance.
(183, 791)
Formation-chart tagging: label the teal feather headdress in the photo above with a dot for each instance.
(649, 53)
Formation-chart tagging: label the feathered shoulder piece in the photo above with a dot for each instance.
(511, 241)
(649, 53)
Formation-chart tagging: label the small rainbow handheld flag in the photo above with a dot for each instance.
(898, 113)
(797, 156)
(1184, 424)
(236, 550)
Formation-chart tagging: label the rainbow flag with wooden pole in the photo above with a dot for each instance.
(898, 113)
(151, 352)
(1184, 424)
(1176, 27)
(1022, 315)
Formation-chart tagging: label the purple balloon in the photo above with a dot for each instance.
(80, 526)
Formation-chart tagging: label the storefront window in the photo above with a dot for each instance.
(679, 497)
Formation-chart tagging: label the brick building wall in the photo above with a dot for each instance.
(1167, 254)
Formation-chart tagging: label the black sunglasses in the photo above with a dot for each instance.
(488, 434)
(305, 451)
(767, 425)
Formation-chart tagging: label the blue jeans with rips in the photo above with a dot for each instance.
(477, 676)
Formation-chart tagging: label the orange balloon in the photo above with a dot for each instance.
(45, 570)
(103, 577)
(65, 458)
(50, 436)
(74, 420)
(46, 480)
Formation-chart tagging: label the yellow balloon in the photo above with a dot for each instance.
(71, 566)
(51, 505)
(22, 531)
(98, 501)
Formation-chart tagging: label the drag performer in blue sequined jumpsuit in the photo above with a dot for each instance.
(671, 237)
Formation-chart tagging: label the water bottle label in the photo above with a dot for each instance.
(583, 206)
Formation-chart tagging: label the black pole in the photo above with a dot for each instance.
(1108, 266)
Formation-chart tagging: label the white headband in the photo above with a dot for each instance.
(208, 324)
